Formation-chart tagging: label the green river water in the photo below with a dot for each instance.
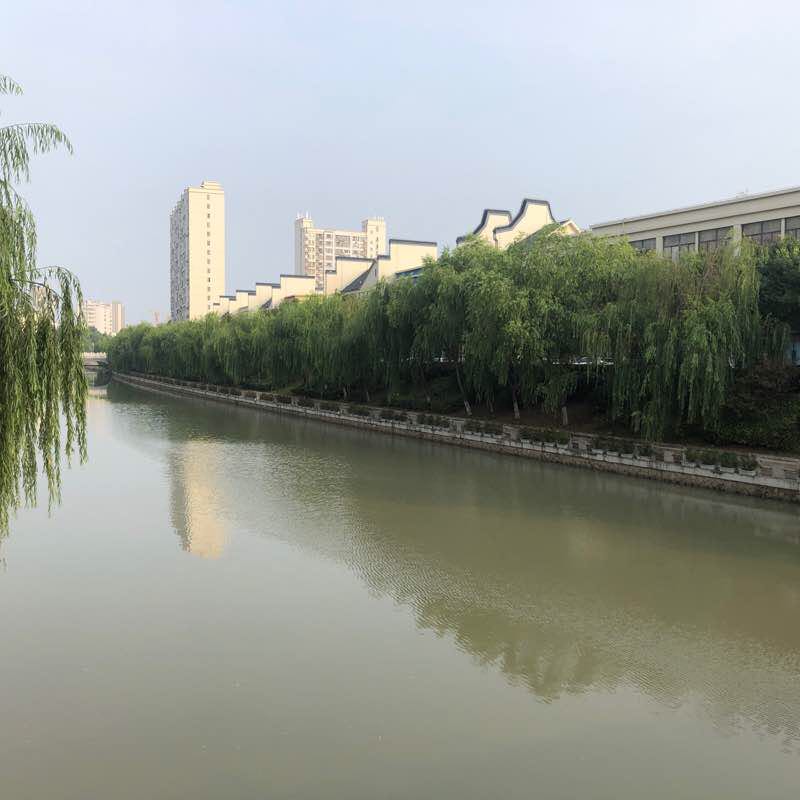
(231, 604)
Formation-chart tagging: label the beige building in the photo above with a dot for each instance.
(404, 255)
(197, 251)
(316, 249)
(762, 218)
(108, 318)
(499, 228)
(326, 264)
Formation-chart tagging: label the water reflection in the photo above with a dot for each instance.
(196, 508)
(568, 581)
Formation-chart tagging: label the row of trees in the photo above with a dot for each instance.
(42, 383)
(660, 341)
(93, 341)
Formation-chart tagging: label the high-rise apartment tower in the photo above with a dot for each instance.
(197, 250)
(316, 249)
(108, 318)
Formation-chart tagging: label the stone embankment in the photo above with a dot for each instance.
(773, 477)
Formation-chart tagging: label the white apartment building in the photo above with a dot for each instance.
(107, 318)
(316, 249)
(197, 250)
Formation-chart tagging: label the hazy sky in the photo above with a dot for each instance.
(423, 113)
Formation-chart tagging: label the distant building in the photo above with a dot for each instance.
(350, 262)
(197, 251)
(499, 228)
(406, 257)
(107, 318)
(762, 218)
(316, 249)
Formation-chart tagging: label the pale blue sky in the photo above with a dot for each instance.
(422, 112)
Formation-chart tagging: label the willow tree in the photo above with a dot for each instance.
(674, 334)
(41, 328)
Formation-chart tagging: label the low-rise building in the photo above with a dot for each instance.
(351, 268)
(499, 228)
(404, 254)
(762, 218)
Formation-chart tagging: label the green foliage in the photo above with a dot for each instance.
(748, 464)
(42, 383)
(546, 435)
(94, 342)
(713, 458)
(762, 409)
(477, 426)
(779, 269)
(433, 420)
(658, 344)
(692, 456)
(708, 457)
(607, 445)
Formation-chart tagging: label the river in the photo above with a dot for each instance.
(232, 604)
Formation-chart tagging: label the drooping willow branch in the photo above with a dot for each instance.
(42, 383)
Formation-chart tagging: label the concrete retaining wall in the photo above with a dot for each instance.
(776, 478)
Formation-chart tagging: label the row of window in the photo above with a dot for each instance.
(675, 245)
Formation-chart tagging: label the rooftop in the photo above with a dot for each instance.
(739, 198)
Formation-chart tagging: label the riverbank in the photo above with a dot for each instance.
(774, 477)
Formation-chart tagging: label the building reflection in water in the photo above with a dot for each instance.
(568, 581)
(194, 500)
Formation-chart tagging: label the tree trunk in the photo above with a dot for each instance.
(463, 393)
(425, 386)
(516, 404)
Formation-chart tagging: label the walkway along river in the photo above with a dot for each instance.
(234, 604)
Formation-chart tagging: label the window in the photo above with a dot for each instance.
(643, 245)
(678, 244)
(762, 232)
(792, 225)
(714, 238)
(209, 242)
(208, 261)
(208, 216)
